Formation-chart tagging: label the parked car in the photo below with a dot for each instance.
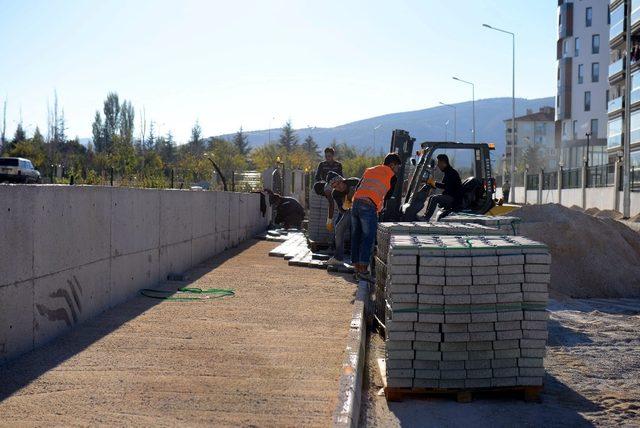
(18, 170)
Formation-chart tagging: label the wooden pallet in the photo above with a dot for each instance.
(462, 395)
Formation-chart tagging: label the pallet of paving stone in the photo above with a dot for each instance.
(527, 393)
(509, 225)
(466, 313)
(387, 229)
(293, 242)
(317, 226)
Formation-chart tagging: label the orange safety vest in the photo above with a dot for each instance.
(375, 184)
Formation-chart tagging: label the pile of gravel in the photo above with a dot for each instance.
(591, 256)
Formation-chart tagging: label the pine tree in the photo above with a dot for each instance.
(98, 133)
(311, 147)
(196, 144)
(288, 138)
(150, 144)
(241, 142)
(127, 117)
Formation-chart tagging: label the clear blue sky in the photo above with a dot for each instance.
(232, 63)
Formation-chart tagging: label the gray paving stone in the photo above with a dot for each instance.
(427, 374)
(479, 373)
(506, 344)
(484, 270)
(537, 269)
(486, 280)
(480, 355)
(457, 299)
(453, 374)
(477, 383)
(431, 280)
(428, 355)
(426, 346)
(421, 336)
(480, 345)
(480, 326)
(426, 364)
(538, 277)
(510, 297)
(514, 259)
(504, 363)
(455, 355)
(453, 346)
(512, 278)
(530, 362)
(505, 372)
(529, 381)
(482, 336)
(431, 318)
(451, 365)
(482, 289)
(510, 316)
(427, 327)
(511, 269)
(456, 337)
(430, 289)
(457, 318)
(508, 288)
(478, 299)
(478, 364)
(507, 353)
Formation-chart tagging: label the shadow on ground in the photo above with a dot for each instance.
(560, 335)
(24, 369)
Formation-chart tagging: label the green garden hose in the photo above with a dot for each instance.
(209, 293)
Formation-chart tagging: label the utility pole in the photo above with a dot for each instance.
(4, 125)
(473, 105)
(455, 119)
(626, 151)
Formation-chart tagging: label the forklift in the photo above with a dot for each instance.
(411, 193)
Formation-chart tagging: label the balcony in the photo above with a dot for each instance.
(616, 27)
(615, 105)
(616, 68)
(635, 12)
(635, 96)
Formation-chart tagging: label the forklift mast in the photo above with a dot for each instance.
(402, 144)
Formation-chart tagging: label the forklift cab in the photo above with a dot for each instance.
(478, 188)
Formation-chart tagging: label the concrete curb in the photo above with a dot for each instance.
(347, 412)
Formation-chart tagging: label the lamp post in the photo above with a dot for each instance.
(446, 131)
(473, 104)
(455, 119)
(586, 161)
(513, 97)
(374, 138)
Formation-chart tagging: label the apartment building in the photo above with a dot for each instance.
(619, 95)
(582, 97)
(535, 140)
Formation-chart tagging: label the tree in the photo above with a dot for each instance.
(111, 110)
(18, 136)
(265, 156)
(241, 142)
(288, 139)
(99, 141)
(311, 147)
(150, 144)
(196, 144)
(127, 117)
(165, 147)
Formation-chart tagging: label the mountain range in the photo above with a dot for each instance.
(426, 124)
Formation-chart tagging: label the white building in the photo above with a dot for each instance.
(534, 130)
(583, 63)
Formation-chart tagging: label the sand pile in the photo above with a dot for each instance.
(591, 256)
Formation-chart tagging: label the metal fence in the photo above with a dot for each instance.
(601, 175)
(572, 178)
(533, 180)
(549, 180)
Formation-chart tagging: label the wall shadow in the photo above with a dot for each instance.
(22, 370)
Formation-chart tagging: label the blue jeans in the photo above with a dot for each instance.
(343, 232)
(364, 225)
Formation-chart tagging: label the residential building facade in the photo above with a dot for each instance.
(535, 141)
(619, 95)
(581, 101)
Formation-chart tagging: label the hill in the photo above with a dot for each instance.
(427, 124)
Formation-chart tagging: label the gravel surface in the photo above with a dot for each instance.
(593, 377)
(271, 355)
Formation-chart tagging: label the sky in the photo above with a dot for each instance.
(257, 64)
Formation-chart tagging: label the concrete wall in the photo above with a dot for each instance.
(603, 198)
(69, 252)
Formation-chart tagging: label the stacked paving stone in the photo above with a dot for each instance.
(466, 312)
(507, 224)
(318, 213)
(386, 230)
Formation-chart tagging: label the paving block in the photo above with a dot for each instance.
(507, 353)
(451, 365)
(530, 362)
(426, 346)
(480, 345)
(477, 364)
(426, 364)
(455, 355)
(510, 316)
(480, 373)
(480, 355)
(504, 363)
(477, 383)
(399, 364)
(427, 374)
(486, 280)
(428, 355)
(529, 381)
(453, 374)
(427, 327)
(508, 288)
(451, 383)
(428, 337)
(484, 270)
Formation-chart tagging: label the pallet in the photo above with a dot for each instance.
(462, 395)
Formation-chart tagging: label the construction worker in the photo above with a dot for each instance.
(289, 212)
(506, 187)
(342, 195)
(376, 186)
(451, 185)
(327, 165)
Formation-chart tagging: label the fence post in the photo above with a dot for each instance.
(584, 184)
(526, 173)
(560, 185)
(616, 186)
(540, 185)
(111, 177)
(172, 178)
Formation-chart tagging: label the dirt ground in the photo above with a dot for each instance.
(593, 377)
(271, 355)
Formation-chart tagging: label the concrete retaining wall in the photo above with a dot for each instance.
(603, 198)
(68, 253)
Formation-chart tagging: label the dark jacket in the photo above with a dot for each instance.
(289, 211)
(339, 197)
(451, 184)
(324, 167)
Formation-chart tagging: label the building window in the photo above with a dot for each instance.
(577, 46)
(564, 129)
(616, 17)
(635, 127)
(565, 48)
(587, 101)
(574, 130)
(595, 72)
(580, 73)
(635, 87)
(595, 44)
(606, 100)
(588, 17)
(594, 128)
(614, 133)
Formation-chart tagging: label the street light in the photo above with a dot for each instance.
(513, 98)
(374, 138)
(446, 131)
(455, 119)
(473, 104)
(586, 160)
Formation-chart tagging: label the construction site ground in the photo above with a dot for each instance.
(592, 377)
(271, 355)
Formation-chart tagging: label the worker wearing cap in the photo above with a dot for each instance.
(342, 195)
(376, 186)
(289, 212)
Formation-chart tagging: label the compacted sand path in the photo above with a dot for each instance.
(271, 355)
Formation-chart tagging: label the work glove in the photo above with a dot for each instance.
(346, 205)
(431, 182)
(330, 224)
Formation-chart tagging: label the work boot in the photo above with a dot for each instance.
(334, 262)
